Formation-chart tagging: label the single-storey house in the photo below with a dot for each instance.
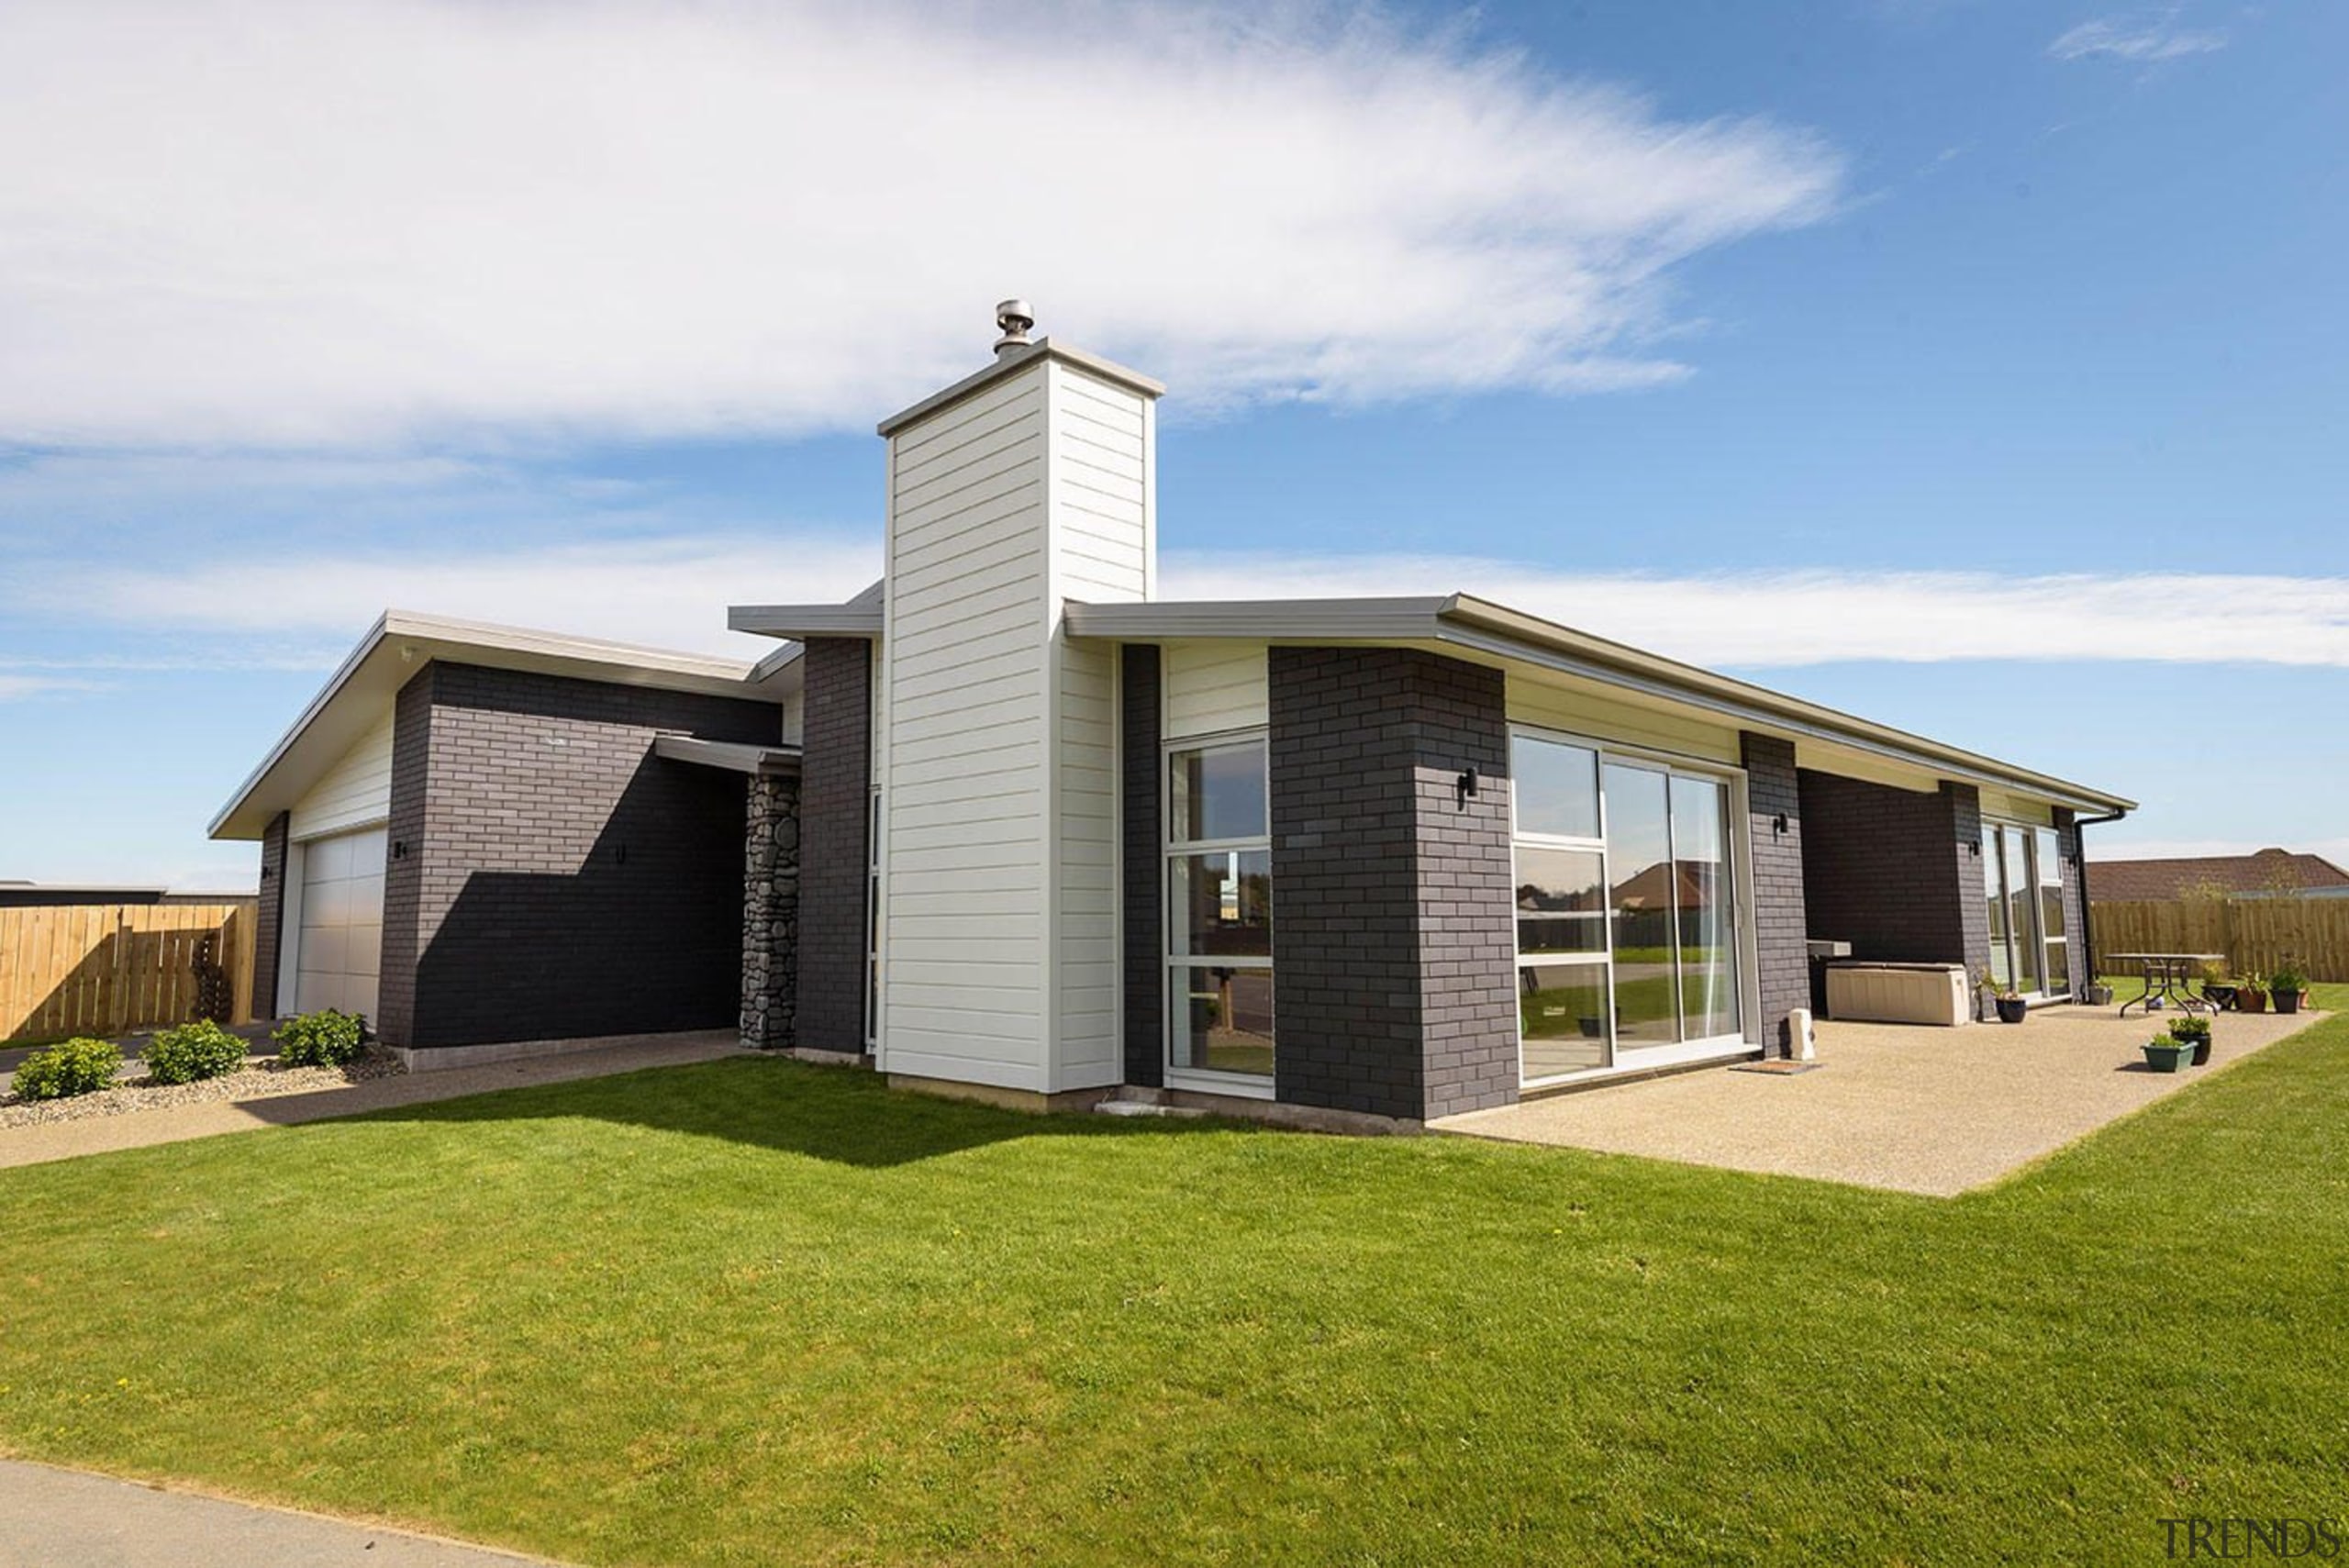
(1010, 823)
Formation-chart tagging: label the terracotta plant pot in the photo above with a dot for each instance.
(2250, 1000)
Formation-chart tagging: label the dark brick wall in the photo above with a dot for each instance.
(1780, 924)
(269, 926)
(1392, 993)
(835, 791)
(403, 865)
(563, 881)
(1890, 871)
(1139, 869)
(2076, 908)
(1964, 804)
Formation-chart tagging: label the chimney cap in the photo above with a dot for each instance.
(1013, 317)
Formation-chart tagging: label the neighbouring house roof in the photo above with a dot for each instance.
(1465, 626)
(402, 642)
(2159, 881)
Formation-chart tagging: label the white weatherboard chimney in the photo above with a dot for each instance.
(1016, 488)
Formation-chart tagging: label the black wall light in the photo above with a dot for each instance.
(1464, 787)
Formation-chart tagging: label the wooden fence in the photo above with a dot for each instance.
(2255, 933)
(111, 968)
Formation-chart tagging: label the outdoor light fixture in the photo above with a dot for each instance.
(1778, 825)
(1464, 786)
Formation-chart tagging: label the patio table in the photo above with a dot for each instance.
(2169, 977)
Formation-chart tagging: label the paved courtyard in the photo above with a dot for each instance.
(1913, 1108)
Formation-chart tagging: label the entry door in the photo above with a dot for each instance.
(339, 951)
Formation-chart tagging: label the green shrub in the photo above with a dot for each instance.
(323, 1039)
(200, 1049)
(74, 1067)
(2192, 1028)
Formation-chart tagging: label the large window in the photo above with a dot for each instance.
(1627, 933)
(2022, 880)
(1220, 911)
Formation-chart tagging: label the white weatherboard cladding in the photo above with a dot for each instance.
(1212, 686)
(998, 734)
(1626, 724)
(354, 792)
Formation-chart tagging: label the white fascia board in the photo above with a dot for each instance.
(800, 622)
(1269, 620)
(402, 642)
(732, 756)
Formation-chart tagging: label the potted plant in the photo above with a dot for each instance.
(2250, 993)
(2012, 1010)
(2194, 1031)
(2165, 1054)
(2288, 986)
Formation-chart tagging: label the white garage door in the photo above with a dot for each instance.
(341, 946)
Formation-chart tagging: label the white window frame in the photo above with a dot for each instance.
(1207, 1080)
(1995, 829)
(1738, 852)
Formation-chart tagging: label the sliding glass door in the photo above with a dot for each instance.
(1627, 909)
(2022, 883)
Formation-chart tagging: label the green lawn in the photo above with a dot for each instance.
(756, 1312)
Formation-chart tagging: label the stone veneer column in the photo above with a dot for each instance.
(1774, 824)
(770, 912)
(835, 867)
(1393, 991)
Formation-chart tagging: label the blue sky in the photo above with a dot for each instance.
(1983, 368)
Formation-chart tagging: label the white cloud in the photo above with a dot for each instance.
(285, 223)
(15, 687)
(673, 592)
(659, 593)
(2143, 41)
(1786, 619)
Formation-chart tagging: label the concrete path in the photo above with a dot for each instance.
(67, 1519)
(136, 1130)
(1915, 1109)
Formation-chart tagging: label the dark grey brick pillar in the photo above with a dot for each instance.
(1393, 990)
(1139, 868)
(404, 867)
(2079, 948)
(1773, 807)
(770, 912)
(835, 801)
(269, 925)
(1964, 825)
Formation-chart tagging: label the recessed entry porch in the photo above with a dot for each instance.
(1937, 1111)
